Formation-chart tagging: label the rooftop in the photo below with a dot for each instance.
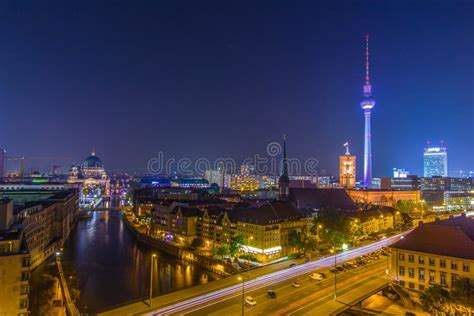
(269, 213)
(453, 237)
(320, 198)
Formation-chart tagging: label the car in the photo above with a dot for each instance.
(250, 301)
(323, 275)
(347, 266)
(295, 284)
(292, 265)
(316, 276)
(333, 270)
(271, 294)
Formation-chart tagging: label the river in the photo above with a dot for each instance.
(112, 268)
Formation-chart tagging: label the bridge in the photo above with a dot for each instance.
(224, 296)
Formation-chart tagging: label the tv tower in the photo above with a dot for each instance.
(367, 104)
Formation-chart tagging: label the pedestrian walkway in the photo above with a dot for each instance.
(70, 306)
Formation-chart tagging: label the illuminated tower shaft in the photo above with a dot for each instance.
(367, 104)
(367, 151)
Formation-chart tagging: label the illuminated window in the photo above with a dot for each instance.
(454, 265)
(421, 274)
(442, 263)
(442, 279)
(402, 270)
(465, 267)
(421, 260)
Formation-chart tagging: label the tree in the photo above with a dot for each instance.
(296, 240)
(463, 290)
(335, 225)
(355, 229)
(197, 243)
(221, 252)
(435, 299)
(236, 243)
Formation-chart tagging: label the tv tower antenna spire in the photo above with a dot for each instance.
(367, 103)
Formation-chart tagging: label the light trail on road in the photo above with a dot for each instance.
(208, 299)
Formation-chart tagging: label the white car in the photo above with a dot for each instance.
(250, 301)
(295, 284)
(316, 276)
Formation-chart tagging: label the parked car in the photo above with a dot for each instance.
(295, 284)
(250, 301)
(316, 276)
(271, 294)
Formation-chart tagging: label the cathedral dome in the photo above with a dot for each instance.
(92, 162)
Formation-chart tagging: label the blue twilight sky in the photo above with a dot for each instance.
(225, 78)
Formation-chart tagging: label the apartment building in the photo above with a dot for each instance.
(440, 252)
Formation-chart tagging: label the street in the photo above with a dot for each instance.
(270, 280)
(295, 301)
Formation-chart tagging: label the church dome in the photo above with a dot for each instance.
(92, 162)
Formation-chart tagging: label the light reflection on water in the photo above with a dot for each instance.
(114, 269)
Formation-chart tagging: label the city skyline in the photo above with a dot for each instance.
(136, 93)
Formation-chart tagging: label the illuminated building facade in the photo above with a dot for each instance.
(436, 253)
(347, 169)
(400, 173)
(383, 197)
(284, 180)
(367, 103)
(435, 162)
(215, 176)
(93, 177)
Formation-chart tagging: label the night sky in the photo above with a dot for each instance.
(225, 78)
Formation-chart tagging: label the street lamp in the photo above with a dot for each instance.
(333, 251)
(320, 226)
(386, 249)
(242, 279)
(153, 256)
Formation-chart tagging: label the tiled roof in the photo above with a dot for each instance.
(453, 237)
(187, 211)
(269, 213)
(320, 198)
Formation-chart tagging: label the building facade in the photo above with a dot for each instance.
(435, 162)
(440, 253)
(347, 169)
(383, 197)
(30, 233)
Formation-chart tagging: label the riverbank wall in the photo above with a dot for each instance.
(201, 261)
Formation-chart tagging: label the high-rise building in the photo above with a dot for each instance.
(367, 103)
(215, 176)
(400, 173)
(347, 169)
(435, 162)
(284, 180)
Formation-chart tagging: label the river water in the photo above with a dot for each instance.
(113, 269)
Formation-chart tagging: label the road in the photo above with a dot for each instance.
(295, 301)
(267, 281)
